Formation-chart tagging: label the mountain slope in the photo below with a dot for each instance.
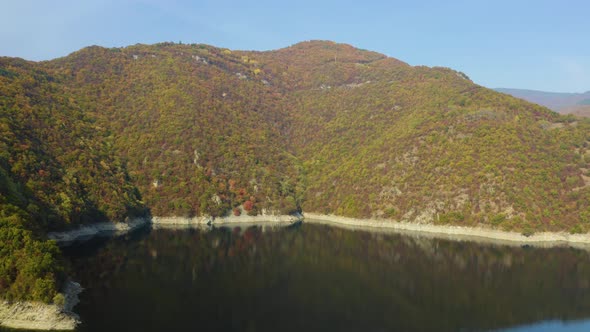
(200, 130)
(427, 145)
(56, 170)
(206, 130)
(54, 150)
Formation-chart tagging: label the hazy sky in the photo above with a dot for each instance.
(536, 44)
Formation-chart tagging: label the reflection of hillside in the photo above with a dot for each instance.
(317, 277)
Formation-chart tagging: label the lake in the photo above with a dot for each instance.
(320, 278)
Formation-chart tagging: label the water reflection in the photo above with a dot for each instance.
(320, 278)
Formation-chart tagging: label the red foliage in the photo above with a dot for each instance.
(248, 205)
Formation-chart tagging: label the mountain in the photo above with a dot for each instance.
(582, 111)
(318, 126)
(565, 103)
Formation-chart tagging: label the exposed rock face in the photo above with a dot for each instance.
(41, 316)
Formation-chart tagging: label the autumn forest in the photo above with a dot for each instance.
(106, 134)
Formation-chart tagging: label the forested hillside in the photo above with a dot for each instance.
(202, 132)
(382, 139)
(57, 170)
(184, 130)
(427, 145)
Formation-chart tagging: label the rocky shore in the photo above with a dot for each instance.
(102, 229)
(243, 219)
(106, 229)
(478, 234)
(41, 316)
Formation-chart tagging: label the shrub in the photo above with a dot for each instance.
(576, 229)
(498, 219)
(389, 213)
(528, 231)
(450, 217)
(59, 300)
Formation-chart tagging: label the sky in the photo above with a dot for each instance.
(539, 45)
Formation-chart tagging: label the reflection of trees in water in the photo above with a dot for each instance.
(350, 280)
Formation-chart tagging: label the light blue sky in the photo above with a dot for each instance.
(536, 44)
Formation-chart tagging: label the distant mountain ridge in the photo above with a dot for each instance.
(565, 103)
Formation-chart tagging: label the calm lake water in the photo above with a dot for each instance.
(320, 278)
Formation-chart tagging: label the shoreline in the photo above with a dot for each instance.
(41, 316)
(101, 229)
(228, 220)
(204, 223)
(455, 233)
(111, 229)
